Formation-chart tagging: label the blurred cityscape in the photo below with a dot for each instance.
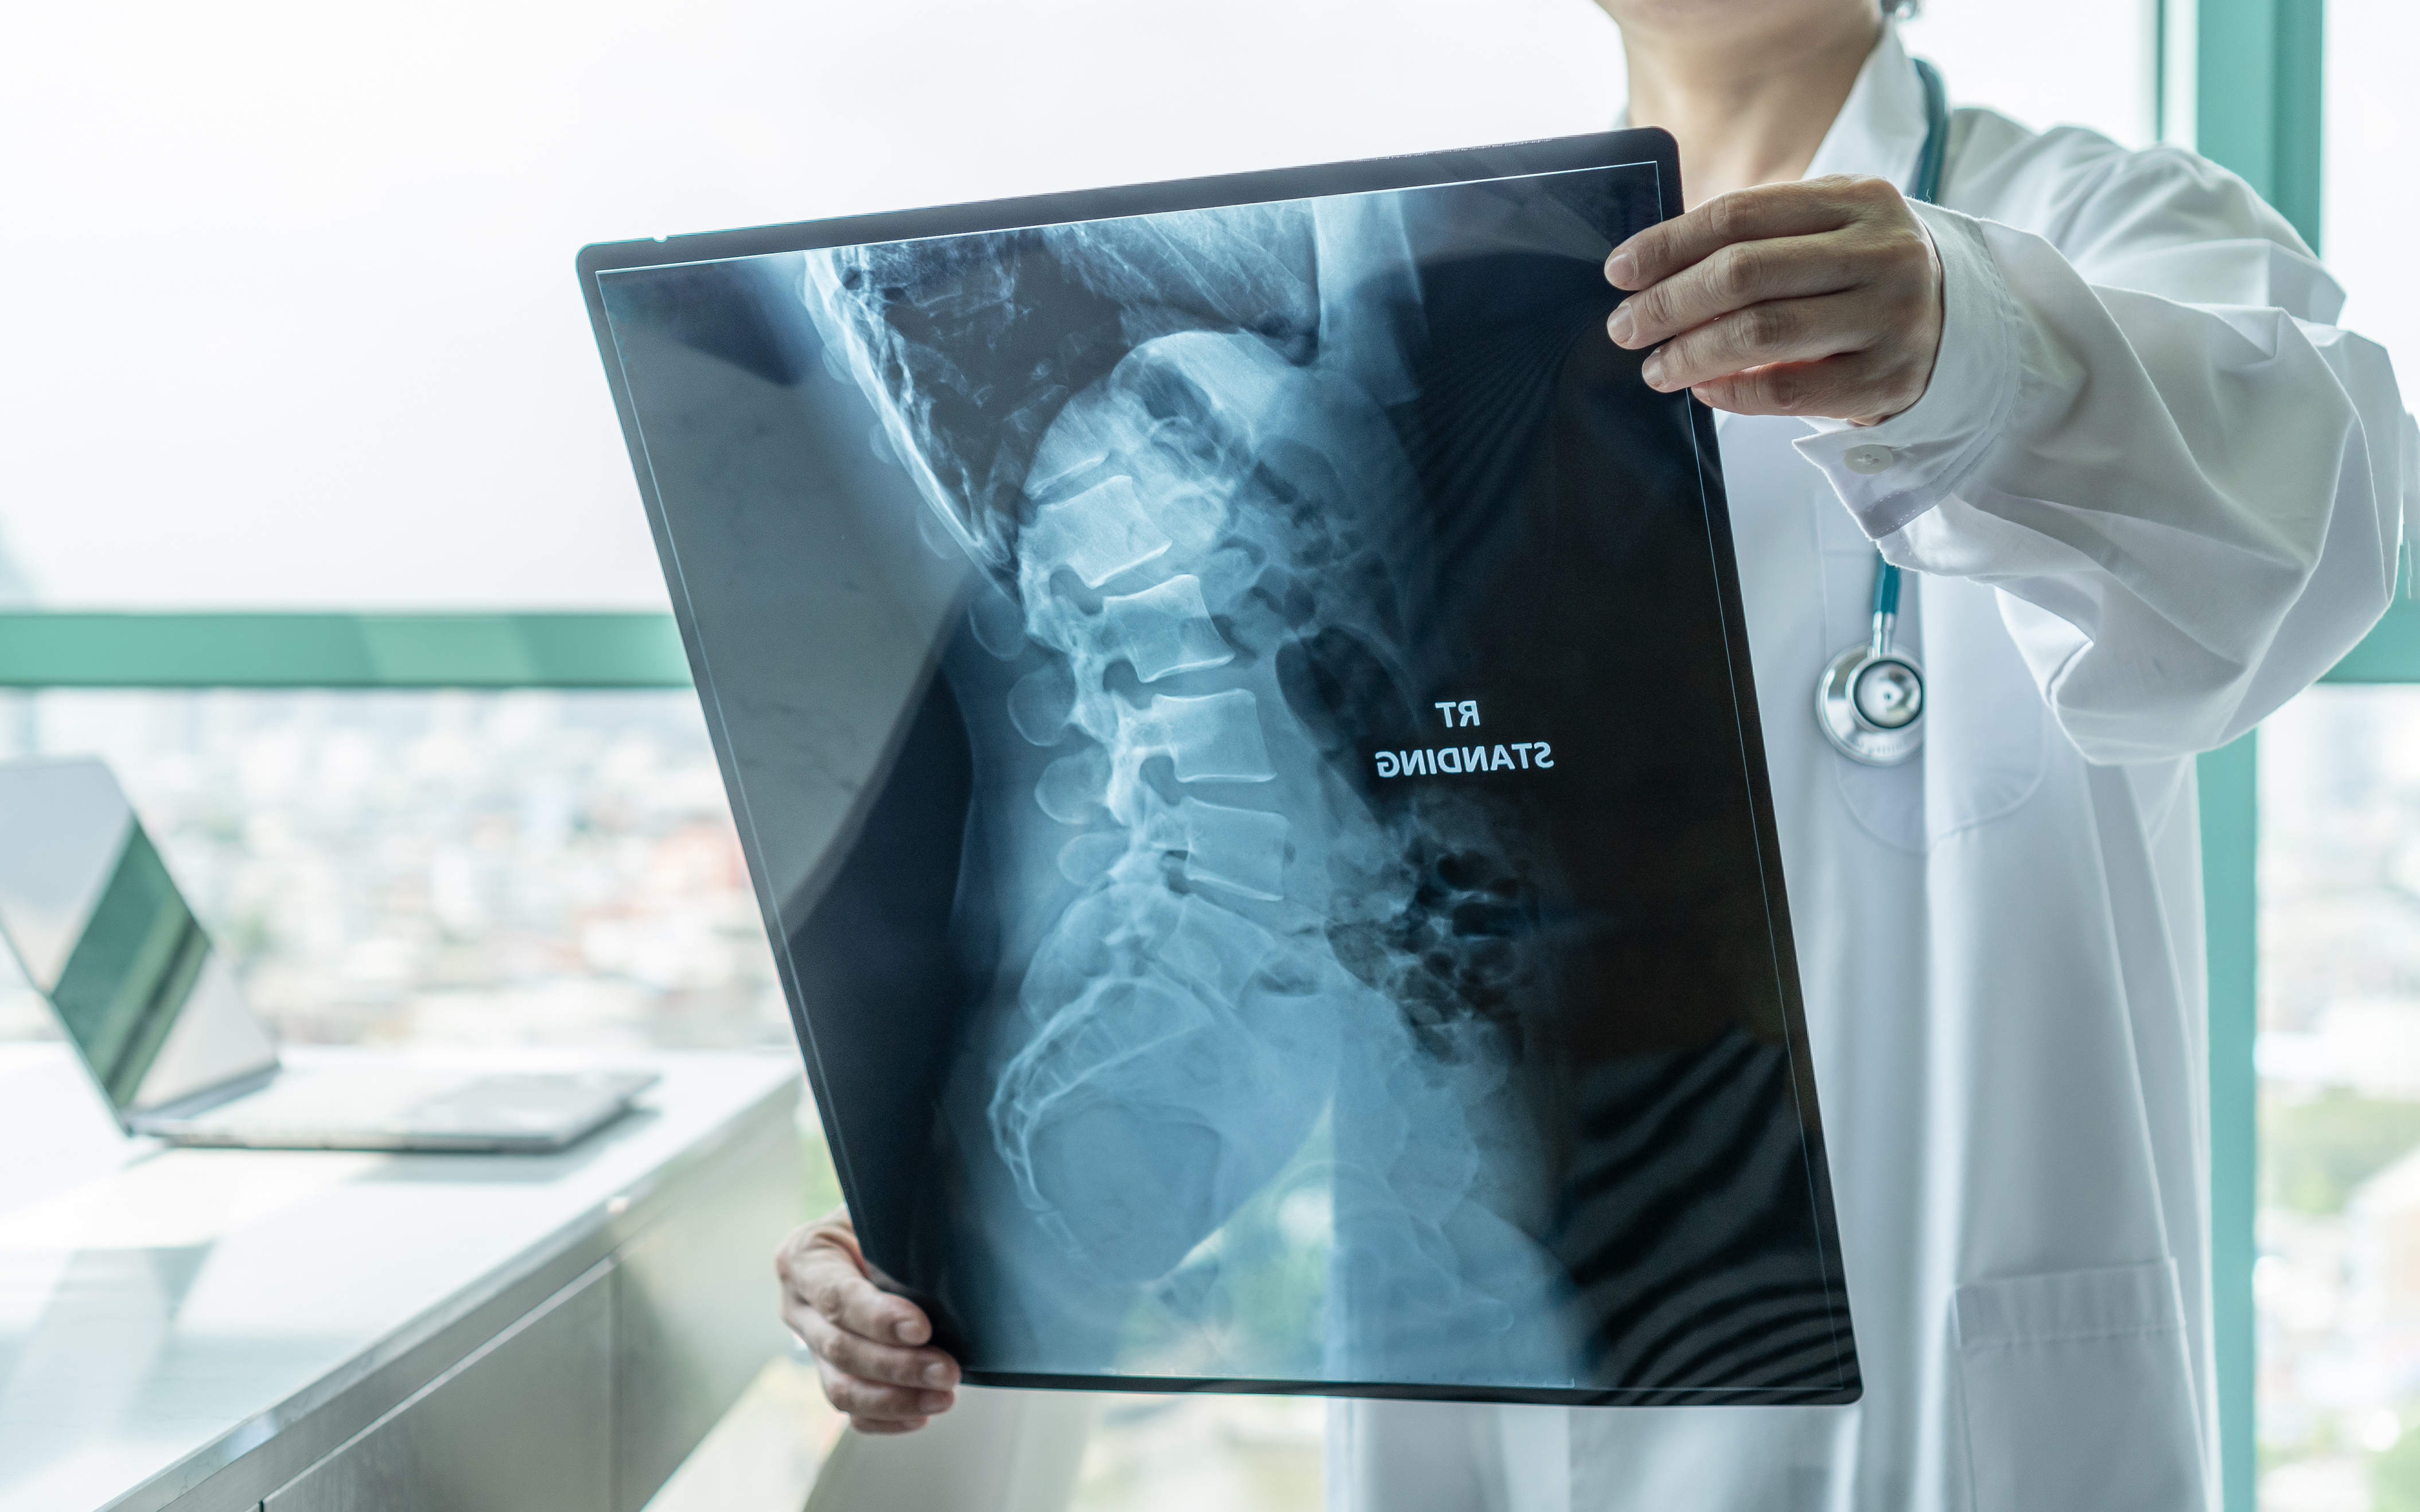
(538, 867)
(466, 869)
(2339, 1278)
(533, 867)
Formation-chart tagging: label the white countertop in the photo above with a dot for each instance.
(164, 1312)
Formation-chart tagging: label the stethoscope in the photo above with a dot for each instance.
(1871, 699)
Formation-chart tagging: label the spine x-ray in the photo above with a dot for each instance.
(1236, 702)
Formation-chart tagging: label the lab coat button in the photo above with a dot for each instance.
(1870, 459)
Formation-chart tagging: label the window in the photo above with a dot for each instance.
(456, 868)
(2339, 1057)
(2370, 222)
(303, 331)
(2070, 63)
(2339, 1279)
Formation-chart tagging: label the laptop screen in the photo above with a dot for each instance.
(1235, 699)
(100, 930)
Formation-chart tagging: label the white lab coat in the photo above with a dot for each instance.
(2151, 493)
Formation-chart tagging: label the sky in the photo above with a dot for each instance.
(288, 289)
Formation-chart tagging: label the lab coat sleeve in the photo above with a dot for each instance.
(2143, 429)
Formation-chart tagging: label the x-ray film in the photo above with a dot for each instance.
(1237, 703)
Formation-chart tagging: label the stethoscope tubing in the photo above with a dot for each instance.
(1870, 701)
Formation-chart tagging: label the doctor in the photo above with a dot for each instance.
(2092, 400)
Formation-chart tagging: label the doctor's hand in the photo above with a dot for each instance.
(1820, 297)
(868, 1344)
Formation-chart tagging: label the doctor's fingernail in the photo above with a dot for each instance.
(1620, 325)
(1652, 370)
(937, 1375)
(1621, 269)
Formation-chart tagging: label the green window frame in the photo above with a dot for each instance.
(39, 650)
(2240, 79)
(2253, 103)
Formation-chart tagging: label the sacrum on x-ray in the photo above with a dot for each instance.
(1237, 700)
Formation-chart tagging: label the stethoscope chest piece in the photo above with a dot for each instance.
(1870, 705)
(1871, 701)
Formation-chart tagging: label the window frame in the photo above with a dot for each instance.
(593, 651)
(2254, 104)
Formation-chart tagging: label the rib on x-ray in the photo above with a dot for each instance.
(1237, 726)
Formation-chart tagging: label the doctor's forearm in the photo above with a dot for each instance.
(2191, 511)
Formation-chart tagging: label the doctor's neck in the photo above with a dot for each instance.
(1748, 87)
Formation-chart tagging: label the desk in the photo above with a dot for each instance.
(227, 1331)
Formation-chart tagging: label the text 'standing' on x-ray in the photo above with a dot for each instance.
(1457, 760)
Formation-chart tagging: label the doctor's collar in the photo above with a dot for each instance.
(1880, 130)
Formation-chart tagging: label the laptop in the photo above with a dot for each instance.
(154, 1011)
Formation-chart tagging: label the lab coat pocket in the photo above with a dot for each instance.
(2078, 1395)
(1987, 730)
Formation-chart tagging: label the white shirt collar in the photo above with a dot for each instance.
(1880, 130)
